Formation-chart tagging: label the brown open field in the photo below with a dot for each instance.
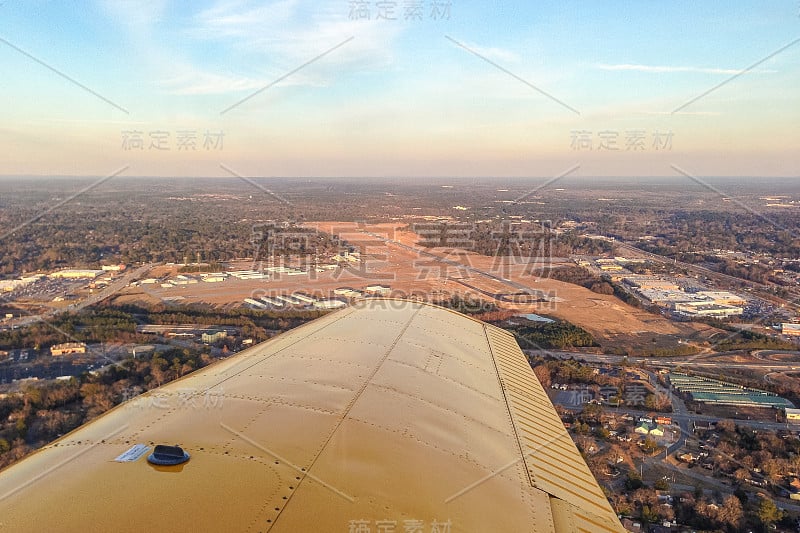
(609, 319)
(408, 272)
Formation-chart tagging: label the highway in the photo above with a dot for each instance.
(691, 361)
(97, 297)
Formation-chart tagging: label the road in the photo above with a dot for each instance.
(680, 414)
(97, 297)
(686, 418)
(708, 480)
(691, 361)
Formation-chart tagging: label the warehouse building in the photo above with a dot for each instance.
(74, 273)
(793, 415)
(706, 309)
(722, 297)
(380, 290)
(329, 304)
(68, 348)
(213, 336)
(790, 329)
(713, 391)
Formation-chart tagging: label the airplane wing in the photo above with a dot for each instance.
(390, 415)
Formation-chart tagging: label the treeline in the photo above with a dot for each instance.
(467, 305)
(555, 335)
(136, 222)
(742, 339)
(207, 267)
(252, 323)
(681, 349)
(684, 231)
(118, 324)
(42, 412)
(91, 325)
(571, 371)
(580, 276)
(530, 240)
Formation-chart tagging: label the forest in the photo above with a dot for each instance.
(556, 335)
(42, 412)
(118, 324)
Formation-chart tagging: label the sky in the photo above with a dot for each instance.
(399, 88)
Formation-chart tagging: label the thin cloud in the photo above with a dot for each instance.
(199, 82)
(670, 69)
(287, 33)
(690, 113)
(494, 53)
(267, 41)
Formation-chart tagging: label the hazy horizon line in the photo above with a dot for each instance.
(400, 176)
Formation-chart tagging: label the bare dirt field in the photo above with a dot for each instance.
(391, 257)
(607, 318)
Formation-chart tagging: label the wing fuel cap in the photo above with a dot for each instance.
(164, 455)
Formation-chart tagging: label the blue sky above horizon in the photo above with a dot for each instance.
(466, 88)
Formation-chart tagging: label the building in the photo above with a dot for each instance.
(68, 348)
(74, 273)
(706, 308)
(287, 299)
(272, 301)
(664, 297)
(790, 329)
(343, 290)
(794, 489)
(304, 298)
(247, 274)
(722, 297)
(630, 525)
(329, 304)
(713, 391)
(255, 303)
(347, 292)
(213, 336)
(9, 285)
(650, 283)
(381, 290)
(113, 268)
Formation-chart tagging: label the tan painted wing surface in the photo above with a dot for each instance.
(387, 416)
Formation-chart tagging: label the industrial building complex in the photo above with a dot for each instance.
(668, 294)
(713, 391)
